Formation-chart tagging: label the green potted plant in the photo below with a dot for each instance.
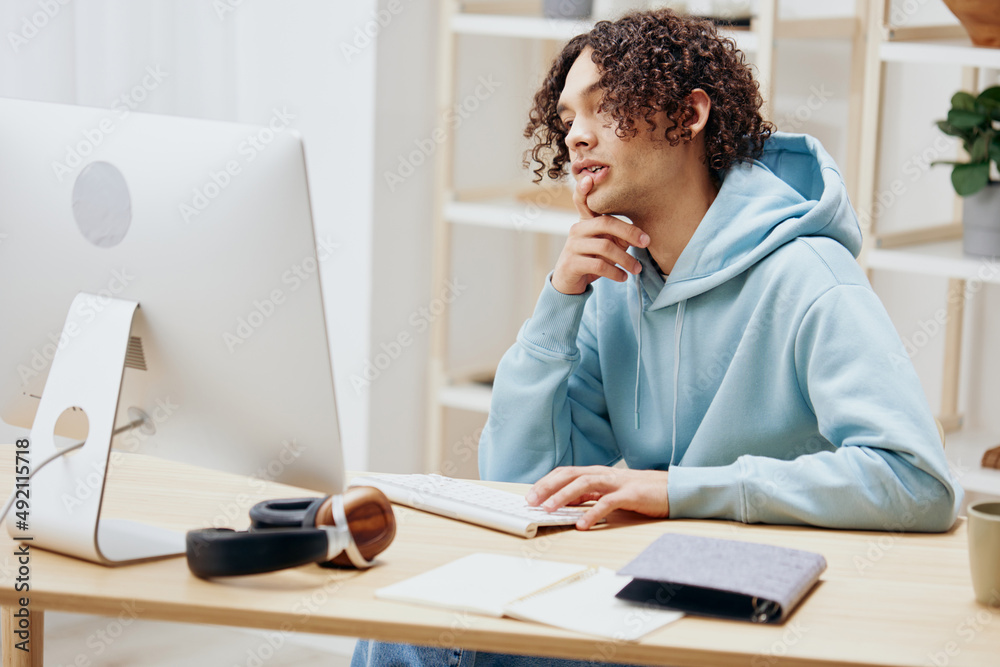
(975, 120)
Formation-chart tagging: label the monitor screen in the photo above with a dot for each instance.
(205, 224)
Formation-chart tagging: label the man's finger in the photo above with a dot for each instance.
(600, 483)
(609, 251)
(552, 482)
(611, 228)
(556, 480)
(583, 188)
(601, 509)
(585, 498)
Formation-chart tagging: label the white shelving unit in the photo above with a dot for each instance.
(940, 51)
(451, 389)
(935, 258)
(536, 27)
(934, 249)
(965, 452)
(523, 27)
(472, 396)
(508, 213)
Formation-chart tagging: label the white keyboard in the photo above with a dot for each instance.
(467, 501)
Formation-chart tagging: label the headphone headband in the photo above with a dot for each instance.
(284, 533)
(221, 552)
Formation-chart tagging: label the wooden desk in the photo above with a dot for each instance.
(901, 599)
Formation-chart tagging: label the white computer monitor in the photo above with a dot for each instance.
(207, 225)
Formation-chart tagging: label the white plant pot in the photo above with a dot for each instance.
(981, 222)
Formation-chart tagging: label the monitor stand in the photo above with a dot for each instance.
(65, 502)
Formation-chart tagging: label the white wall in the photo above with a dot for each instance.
(236, 61)
(403, 197)
(293, 53)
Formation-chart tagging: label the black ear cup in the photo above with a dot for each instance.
(220, 552)
(285, 513)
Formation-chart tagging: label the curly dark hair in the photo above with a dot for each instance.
(650, 62)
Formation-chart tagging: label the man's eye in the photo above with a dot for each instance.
(567, 124)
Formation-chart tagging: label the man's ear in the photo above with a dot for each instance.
(702, 105)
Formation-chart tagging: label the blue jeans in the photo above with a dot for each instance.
(370, 653)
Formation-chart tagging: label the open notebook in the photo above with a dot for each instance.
(564, 595)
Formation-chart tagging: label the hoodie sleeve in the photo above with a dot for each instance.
(888, 471)
(548, 407)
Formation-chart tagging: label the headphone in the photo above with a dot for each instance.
(346, 530)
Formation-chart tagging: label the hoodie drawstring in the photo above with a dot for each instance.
(638, 357)
(678, 325)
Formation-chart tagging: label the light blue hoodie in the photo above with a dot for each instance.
(769, 379)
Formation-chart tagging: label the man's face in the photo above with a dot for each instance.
(630, 175)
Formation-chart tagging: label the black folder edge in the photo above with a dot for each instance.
(701, 600)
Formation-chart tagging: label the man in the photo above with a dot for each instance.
(734, 355)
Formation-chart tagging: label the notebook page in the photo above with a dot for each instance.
(479, 583)
(587, 604)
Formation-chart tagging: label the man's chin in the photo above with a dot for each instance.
(600, 205)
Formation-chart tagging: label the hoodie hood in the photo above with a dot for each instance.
(794, 189)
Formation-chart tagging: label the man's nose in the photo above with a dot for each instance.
(580, 135)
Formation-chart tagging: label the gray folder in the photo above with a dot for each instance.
(722, 578)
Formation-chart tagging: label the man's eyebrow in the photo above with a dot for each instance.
(561, 106)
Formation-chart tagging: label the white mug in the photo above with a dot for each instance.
(984, 551)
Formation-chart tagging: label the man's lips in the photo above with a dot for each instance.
(598, 171)
(589, 166)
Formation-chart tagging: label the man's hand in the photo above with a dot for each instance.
(642, 491)
(595, 245)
